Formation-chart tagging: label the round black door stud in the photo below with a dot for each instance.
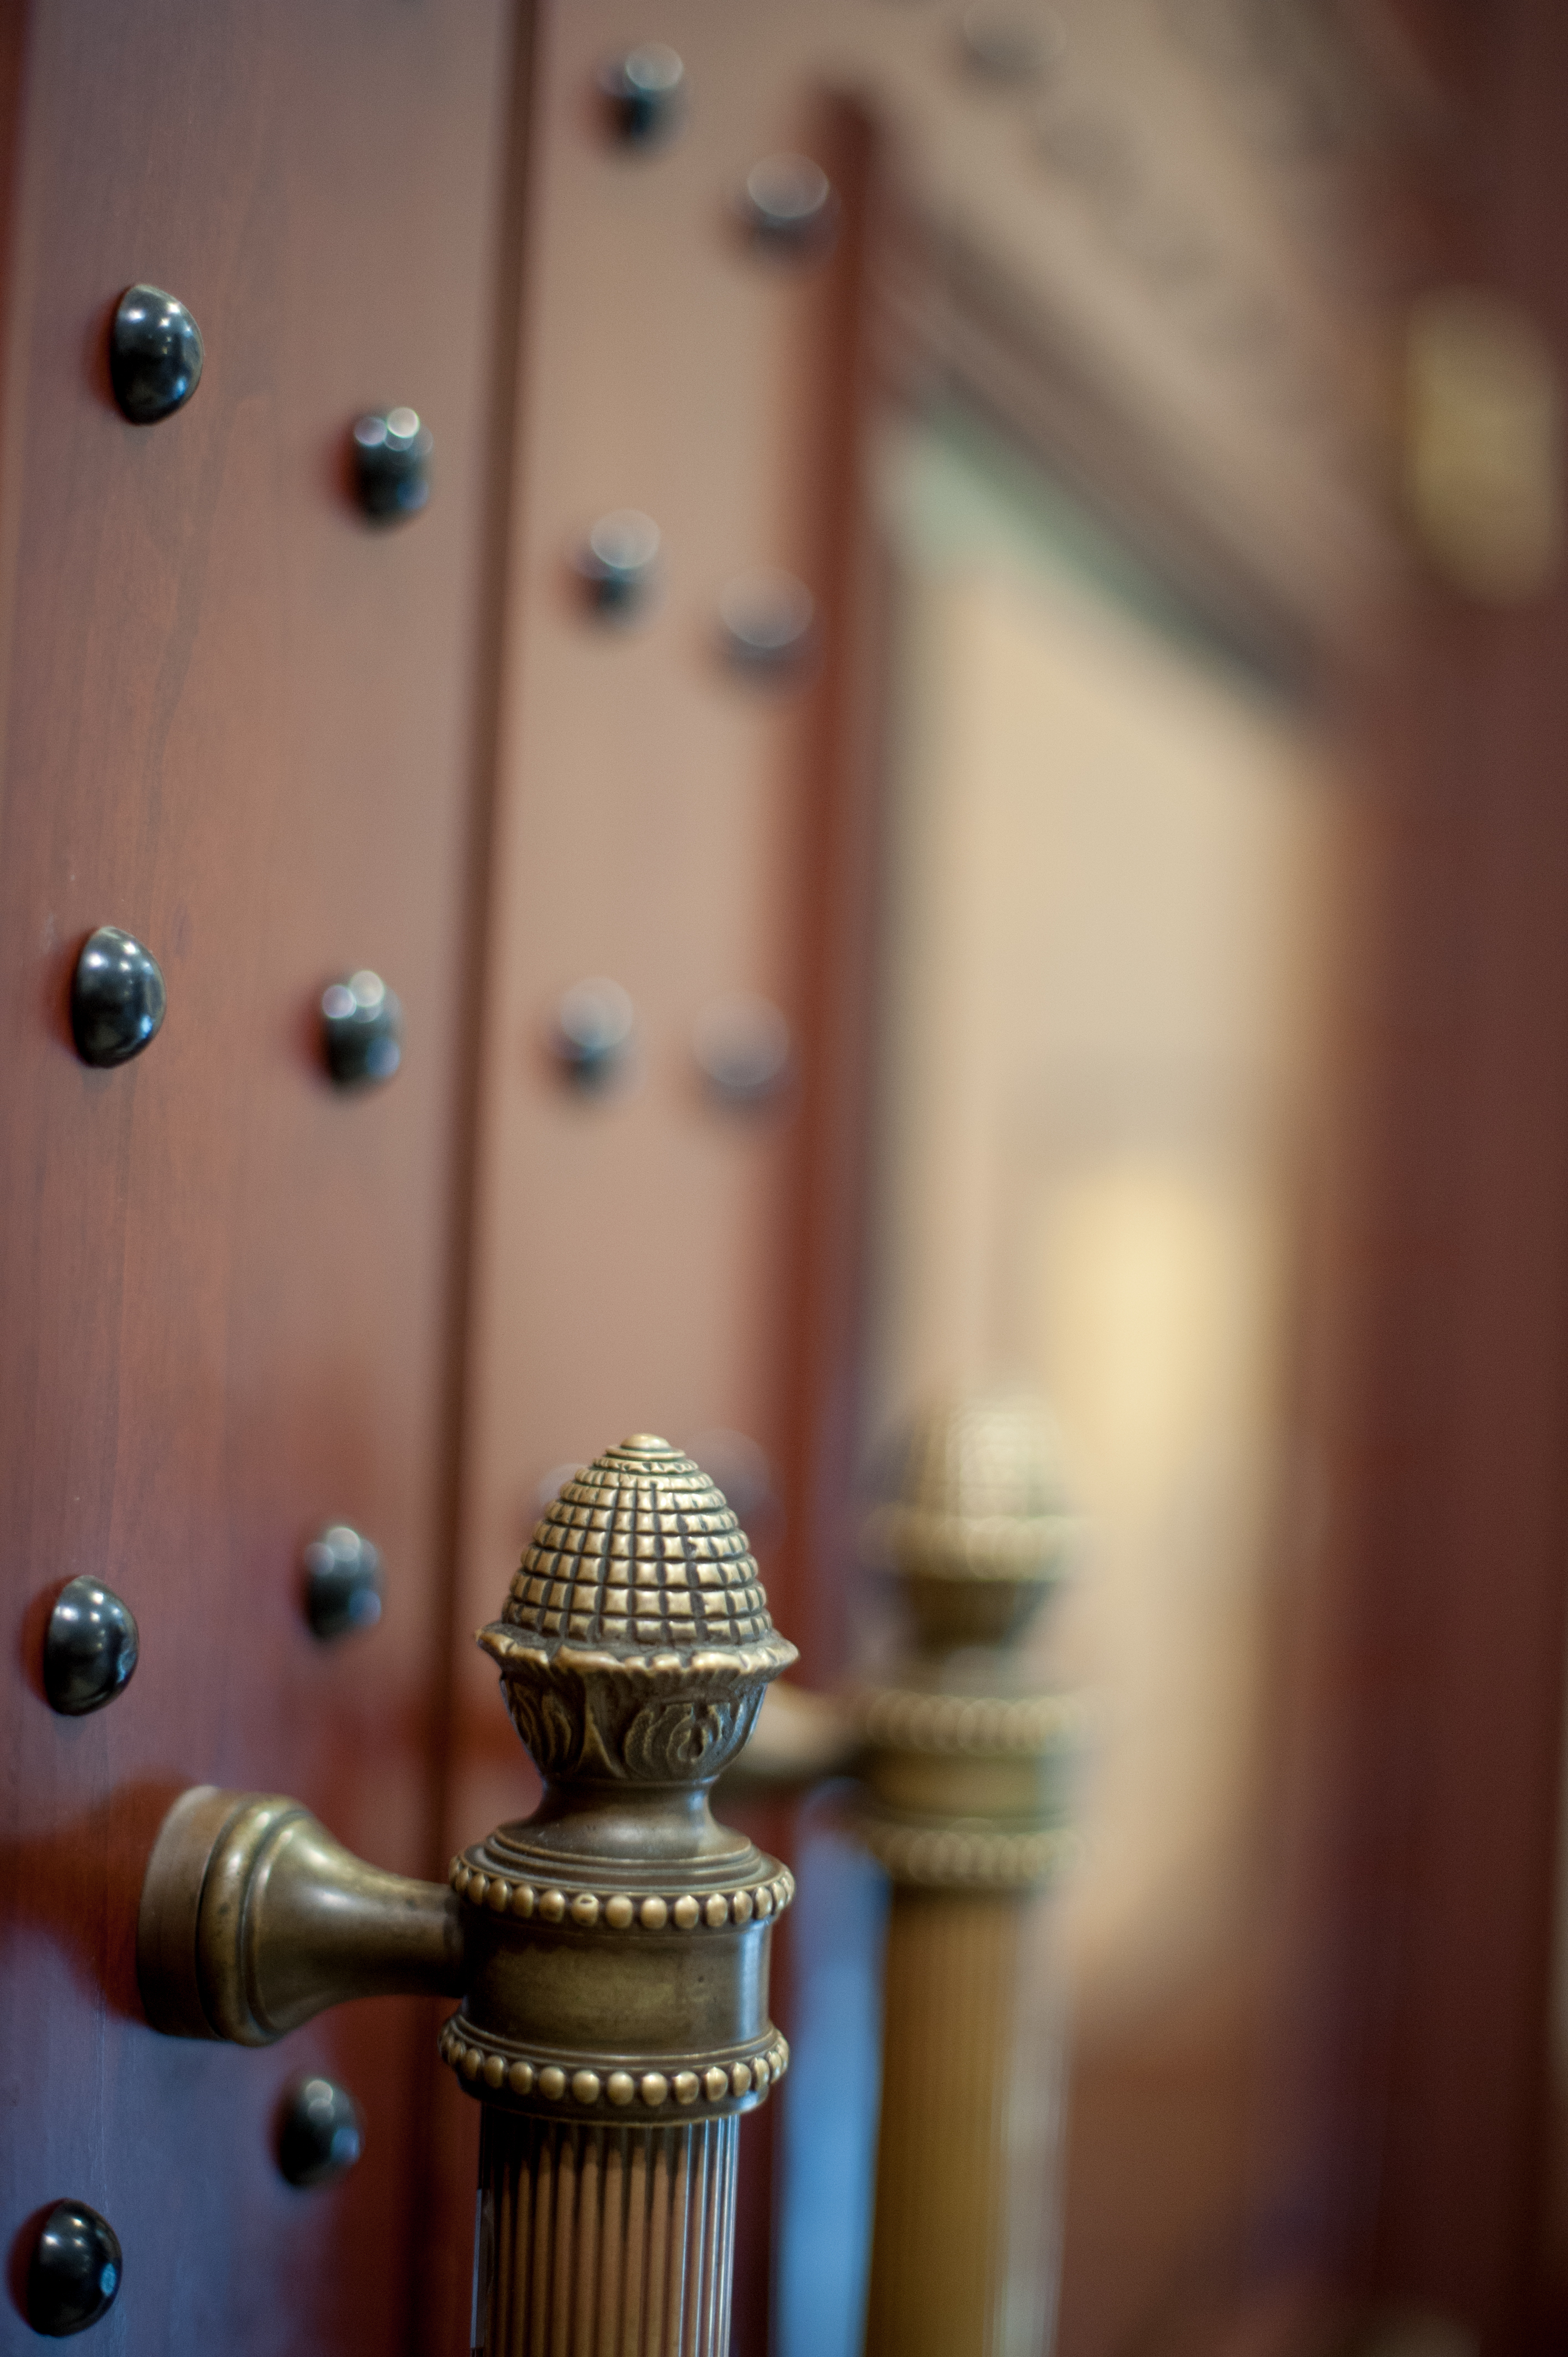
(155, 355)
(1004, 45)
(74, 2272)
(592, 1034)
(644, 91)
(391, 464)
(321, 2134)
(789, 208)
(342, 1582)
(618, 565)
(90, 1647)
(742, 1047)
(117, 997)
(361, 1031)
(767, 626)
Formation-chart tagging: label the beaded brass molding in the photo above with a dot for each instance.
(729, 2083)
(923, 1719)
(610, 1954)
(961, 1856)
(623, 1911)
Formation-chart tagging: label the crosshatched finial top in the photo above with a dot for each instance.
(984, 1495)
(639, 1555)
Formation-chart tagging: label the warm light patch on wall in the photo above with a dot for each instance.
(1157, 1294)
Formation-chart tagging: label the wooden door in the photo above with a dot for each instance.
(245, 725)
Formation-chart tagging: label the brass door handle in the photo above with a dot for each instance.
(610, 1953)
(963, 1793)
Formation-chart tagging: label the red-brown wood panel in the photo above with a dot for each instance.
(1432, 1691)
(247, 727)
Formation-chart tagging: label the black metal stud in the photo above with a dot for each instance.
(155, 355)
(644, 91)
(742, 1047)
(1004, 45)
(391, 464)
(73, 2274)
(321, 2134)
(617, 564)
(768, 625)
(90, 1647)
(361, 1031)
(342, 1582)
(117, 997)
(592, 1033)
(789, 208)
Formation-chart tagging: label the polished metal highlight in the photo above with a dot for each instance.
(610, 1954)
(741, 1043)
(644, 94)
(155, 355)
(618, 565)
(789, 208)
(342, 1582)
(321, 2134)
(73, 2271)
(361, 1031)
(392, 451)
(117, 999)
(90, 1647)
(592, 1036)
(962, 1794)
(767, 627)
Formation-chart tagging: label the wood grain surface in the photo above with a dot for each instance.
(242, 725)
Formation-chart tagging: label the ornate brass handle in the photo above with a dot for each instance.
(610, 1953)
(962, 1795)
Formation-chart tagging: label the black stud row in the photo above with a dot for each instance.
(91, 1642)
(118, 1002)
(76, 2265)
(156, 356)
(740, 1045)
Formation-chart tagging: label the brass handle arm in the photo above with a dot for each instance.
(254, 1918)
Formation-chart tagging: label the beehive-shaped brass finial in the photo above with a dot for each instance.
(964, 1795)
(639, 1558)
(635, 1641)
(634, 1649)
(979, 1532)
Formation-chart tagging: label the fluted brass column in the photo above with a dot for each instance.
(610, 1953)
(963, 1797)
